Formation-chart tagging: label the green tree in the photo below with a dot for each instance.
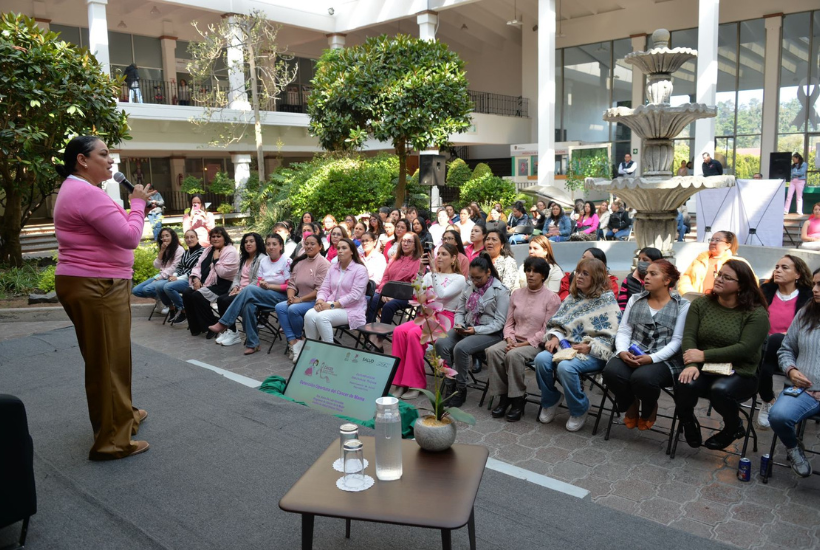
(51, 92)
(264, 63)
(481, 169)
(223, 186)
(192, 185)
(410, 92)
(458, 173)
(488, 188)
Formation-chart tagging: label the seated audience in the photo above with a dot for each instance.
(603, 220)
(372, 259)
(798, 360)
(653, 322)
(518, 217)
(810, 232)
(453, 237)
(328, 223)
(540, 247)
(786, 292)
(479, 321)
(619, 222)
(250, 254)
(464, 224)
(497, 247)
(728, 325)
(531, 306)
(307, 219)
(589, 253)
(586, 226)
(633, 283)
(307, 273)
(169, 290)
(476, 243)
(341, 299)
(211, 278)
(167, 260)
(559, 225)
(335, 235)
(700, 275)
(447, 283)
(587, 320)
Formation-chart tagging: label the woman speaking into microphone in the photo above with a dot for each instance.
(96, 238)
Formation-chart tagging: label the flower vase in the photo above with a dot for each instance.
(435, 435)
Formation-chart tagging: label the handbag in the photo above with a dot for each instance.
(724, 369)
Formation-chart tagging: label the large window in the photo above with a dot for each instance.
(798, 123)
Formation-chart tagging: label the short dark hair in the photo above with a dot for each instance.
(80, 145)
(483, 262)
(539, 265)
(597, 253)
(221, 231)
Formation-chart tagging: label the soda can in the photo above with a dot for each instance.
(765, 464)
(744, 469)
(565, 344)
(635, 350)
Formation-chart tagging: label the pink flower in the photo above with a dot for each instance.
(448, 372)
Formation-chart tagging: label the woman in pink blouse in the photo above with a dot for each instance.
(476, 244)
(588, 221)
(530, 310)
(170, 253)
(341, 300)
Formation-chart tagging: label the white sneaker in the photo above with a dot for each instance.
(164, 311)
(231, 338)
(158, 306)
(297, 349)
(575, 423)
(220, 337)
(548, 415)
(763, 416)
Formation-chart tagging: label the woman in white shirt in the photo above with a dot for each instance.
(447, 282)
(372, 259)
(540, 247)
(464, 224)
(653, 321)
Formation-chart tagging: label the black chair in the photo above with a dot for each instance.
(397, 291)
(801, 430)
(154, 310)
(344, 330)
(267, 320)
(19, 501)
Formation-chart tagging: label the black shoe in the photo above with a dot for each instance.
(476, 366)
(691, 431)
(459, 398)
(501, 409)
(179, 317)
(517, 409)
(210, 335)
(725, 437)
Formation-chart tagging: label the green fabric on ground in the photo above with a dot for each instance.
(275, 385)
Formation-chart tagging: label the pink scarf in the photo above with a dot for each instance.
(472, 301)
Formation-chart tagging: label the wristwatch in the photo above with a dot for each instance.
(332, 305)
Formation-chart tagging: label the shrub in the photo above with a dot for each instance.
(481, 169)
(46, 283)
(488, 188)
(192, 185)
(19, 281)
(144, 257)
(458, 173)
(222, 185)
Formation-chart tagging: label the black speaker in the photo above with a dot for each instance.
(431, 169)
(780, 166)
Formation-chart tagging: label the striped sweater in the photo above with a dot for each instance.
(189, 260)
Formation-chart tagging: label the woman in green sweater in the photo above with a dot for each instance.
(728, 325)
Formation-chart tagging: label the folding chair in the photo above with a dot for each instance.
(801, 429)
(266, 319)
(668, 391)
(154, 310)
(343, 330)
(397, 291)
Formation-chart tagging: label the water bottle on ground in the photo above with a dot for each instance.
(388, 439)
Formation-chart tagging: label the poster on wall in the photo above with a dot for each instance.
(337, 380)
(523, 166)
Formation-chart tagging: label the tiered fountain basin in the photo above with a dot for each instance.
(657, 199)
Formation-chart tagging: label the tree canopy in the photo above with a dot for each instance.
(51, 92)
(409, 92)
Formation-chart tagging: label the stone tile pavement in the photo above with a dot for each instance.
(697, 492)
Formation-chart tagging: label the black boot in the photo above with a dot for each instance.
(476, 365)
(501, 409)
(691, 431)
(459, 398)
(725, 437)
(517, 409)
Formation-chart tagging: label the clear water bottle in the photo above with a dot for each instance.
(388, 439)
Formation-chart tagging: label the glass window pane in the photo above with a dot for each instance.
(814, 114)
(182, 50)
(790, 143)
(726, 83)
(794, 69)
(683, 148)
(725, 153)
(84, 36)
(747, 156)
(148, 52)
(68, 34)
(193, 167)
(750, 80)
(622, 86)
(814, 149)
(684, 80)
(586, 91)
(119, 48)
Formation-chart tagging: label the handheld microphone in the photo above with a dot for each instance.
(119, 177)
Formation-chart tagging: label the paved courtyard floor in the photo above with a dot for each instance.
(697, 492)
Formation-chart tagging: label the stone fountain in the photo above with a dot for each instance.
(656, 194)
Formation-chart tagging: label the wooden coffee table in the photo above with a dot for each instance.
(436, 491)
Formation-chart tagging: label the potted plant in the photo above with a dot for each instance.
(436, 431)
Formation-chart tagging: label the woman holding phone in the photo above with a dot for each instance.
(200, 220)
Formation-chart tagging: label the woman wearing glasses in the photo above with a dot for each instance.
(728, 325)
(700, 275)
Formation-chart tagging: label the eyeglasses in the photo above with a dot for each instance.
(723, 277)
(717, 241)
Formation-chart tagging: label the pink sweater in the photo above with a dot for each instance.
(308, 275)
(166, 270)
(96, 237)
(528, 314)
(349, 290)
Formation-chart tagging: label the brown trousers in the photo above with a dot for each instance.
(101, 312)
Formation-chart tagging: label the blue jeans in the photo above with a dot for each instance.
(246, 303)
(146, 289)
(169, 292)
(619, 235)
(558, 239)
(568, 373)
(787, 412)
(292, 318)
(519, 238)
(681, 227)
(155, 221)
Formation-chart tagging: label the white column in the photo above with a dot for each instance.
(336, 41)
(237, 96)
(771, 73)
(529, 75)
(708, 19)
(169, 65)
(428, 21)
(111, 186)
(241, 173)
(98, 33)
(546, 92)
(638, 84)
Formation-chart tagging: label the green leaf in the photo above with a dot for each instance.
(460, 416)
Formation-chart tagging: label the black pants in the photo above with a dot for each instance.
(769, 367)
(643, 383)
(222, 304)
(198, 311)
(725, 392)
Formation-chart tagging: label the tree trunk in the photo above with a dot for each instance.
(401, 188)
(10, 251)
(257, 123)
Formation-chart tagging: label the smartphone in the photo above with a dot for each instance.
(794, 391)
(428, 246)
(195, 207)
(459, 327)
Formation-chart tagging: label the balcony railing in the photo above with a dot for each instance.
(294, 98)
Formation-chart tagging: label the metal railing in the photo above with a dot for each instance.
(294, 100)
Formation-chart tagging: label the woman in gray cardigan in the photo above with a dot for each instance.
(798, 360)
(252, 251)
(478, 324)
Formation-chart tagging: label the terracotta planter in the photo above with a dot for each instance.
(434, 436)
